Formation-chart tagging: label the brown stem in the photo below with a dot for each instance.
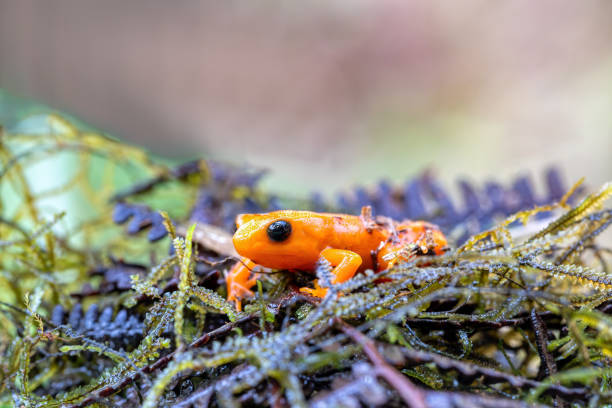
(411, 394)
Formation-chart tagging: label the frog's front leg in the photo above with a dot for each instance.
(345, 263)
(240, 280)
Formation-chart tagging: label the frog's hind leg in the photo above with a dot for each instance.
(240, 280)
(345, 263)
(411, 239)
(428, 238)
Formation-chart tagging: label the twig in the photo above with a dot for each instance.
(412, 395)
(547, 362)
(541, 337)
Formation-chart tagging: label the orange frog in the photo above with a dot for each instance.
(295, 240)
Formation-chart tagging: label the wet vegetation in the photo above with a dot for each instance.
(119, 300)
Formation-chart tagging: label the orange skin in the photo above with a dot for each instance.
(350, 243)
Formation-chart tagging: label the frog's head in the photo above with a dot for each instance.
(280, 239)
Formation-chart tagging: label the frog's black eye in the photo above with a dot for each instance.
(279, 230)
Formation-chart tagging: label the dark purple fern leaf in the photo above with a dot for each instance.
(125, 330)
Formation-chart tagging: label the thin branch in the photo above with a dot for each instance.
(411, 394)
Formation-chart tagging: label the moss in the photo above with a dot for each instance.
(515, 314)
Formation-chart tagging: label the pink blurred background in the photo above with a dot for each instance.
(330, 93)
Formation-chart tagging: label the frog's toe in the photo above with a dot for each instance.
(318, 291)
(238, 292)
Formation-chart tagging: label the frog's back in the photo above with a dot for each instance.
(309, 234)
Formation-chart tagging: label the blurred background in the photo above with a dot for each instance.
(328, 94)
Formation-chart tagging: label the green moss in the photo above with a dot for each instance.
(501, 316)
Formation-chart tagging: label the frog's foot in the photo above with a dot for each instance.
(239, 282)
(236, 293)
(318, 291)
